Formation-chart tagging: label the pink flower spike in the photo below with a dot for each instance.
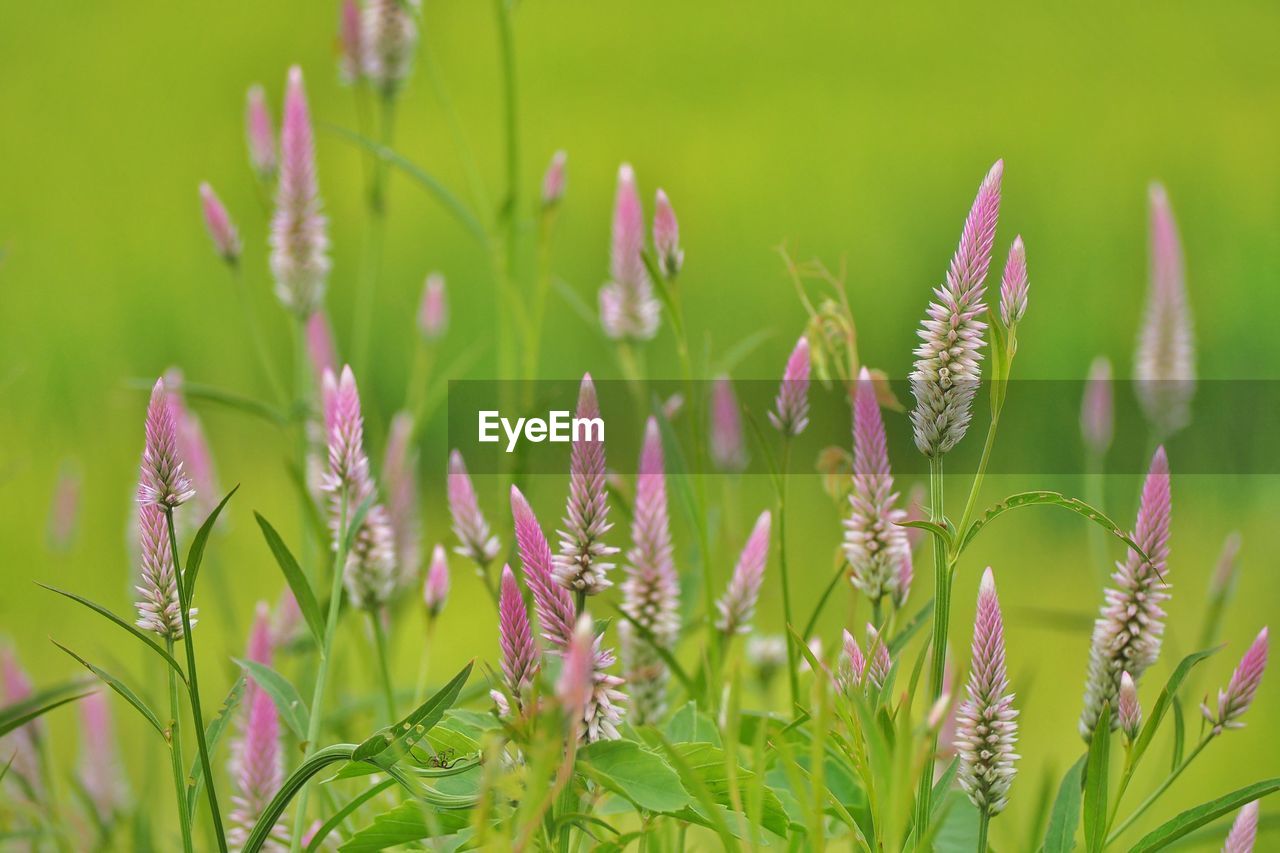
(400, 479)
(351, 63)
(1013, 285)
(320, 347)
(226, 239)
(435, 590)
(257, 763)
(299, 238)
(469, 523)
(1241, 689)
(1097, 411)
(158, 610)
(879, 663)
(738, 604)
(1128, 710)
(582, 566)
(790, 414)
(195, 453)
(1244, 830)
(573, 688)
(552, 602)
(164, 482)
(433, 311)
(987, 727)
(22, 745)
(728, 449)
(344, 428)
(101, 773)
(853, 664)
(519, 650)
(628, 309)
(666, 237)
(553, 181)
(260, 134)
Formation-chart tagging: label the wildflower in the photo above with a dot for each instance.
(651, 592)
(552, 602)
(164, 482)
(226, 239)
(666, 237)
(21, 747)
(257, 763)
(193, 450)
(987, 727)
(101, 774)
(469, 524)
(519, 650)
(344, 428)
(582, 566)
(878, 661)
(1240, 690)
(158, 610)
(859, 671)
(299, 242)
(433, 311)
(1244, 830)
(1128, 710)
(728, 450)
(791, 408)
(435, 590)
(874, 543)
(1164, 363)
(64, 509)
(1013, 285)
(627, 305)
(351, 63)
(287, 618)
(946, 371)
(853, 664)
(260, 134)
(738, 604)
(320, 349)
(1096, 412)
(906, 573)
(388, 38)
(573, 688)
(553, 181)
(1127, 634)
(400, 475)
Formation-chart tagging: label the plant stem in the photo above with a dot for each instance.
(384, 669)
(1155, 795)
(1094, 492)
(326, 655)
(193, 687)
(938, 640)
(976, 486)
(984, 822)
(175, 754)
(255, 334)
(793, 676)
(377, 231)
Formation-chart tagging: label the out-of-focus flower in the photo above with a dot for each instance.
(100, 772)
(1224, 574)
(22, 745)
(768, 654)
(1244, 830)
(946, 373)
(1128, 709)
(433, 310)
(790, 413)
(666, 237)
(1097, 410)
(469, 523)
(582, 566)
(435, 590)
(573, 688)
(194, 451)
(628, 309)
(222, 231)
(553, 180)
(164, 482)
(400, 478)
(728, 450)
(257, 763)
(388, 39)
(351, 62)
(260, 134)
(320, 347)
(738, 604)
(64, 509)
(1240, 690)
(519, 649)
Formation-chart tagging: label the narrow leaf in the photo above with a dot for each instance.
(1095, 782)
(1193, 819)
(1179, 735)
(389, 745)
(1163, 701)
(1042, 498)
(121, 688)
(941, 531)
(213, 736)
(132, 629)
(295, 578)
(297, 780)
(343, 813)
(195, 556)
(1065, 817)
(287, 701)
(20, 713)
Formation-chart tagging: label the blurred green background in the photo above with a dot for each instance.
(855, 132)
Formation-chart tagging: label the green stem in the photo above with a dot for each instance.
(365, 295)
(175, 754)
(984, 822)
(255, 334)
(1094, 494)
(193, 687)
(384, 668)
(938, 640)
(793, 675)
(476, 184)
(1155, 795)
(976, 486)
(326, 656)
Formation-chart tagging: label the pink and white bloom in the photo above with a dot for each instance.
(22, 745)
(1244, 830)
(222, 231)
(1097, 411)
(1013, 285)
(351, 61)
(158, 609)
(553, 180)
(738, 604)
(469, 525)
(100, 771)
(583, 563)
(257, 762)
(628, 309)
(435, 589)
(519, 649)
(164, 481)
(552, 602)
(433, 310)
(790, 413)
(1128, 709)
(194, 451)
(728, 448)
(260, 134)
(666, 237)
(1241, 689)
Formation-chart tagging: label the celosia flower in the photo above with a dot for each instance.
(573, 688)
(728, 450)
(1128, 632)
(158, 610)
(666, 237)
(651, 592)
(226, 239)
(287, 618)
(320, 348)
(400, 477)
(299, 242)
(906, 573)
(790, 413)
(1013, 285)
(64, 509)
(946, 373)
(351, 63)
(1240, 690)
(344, 429)
(738, 604)
(553, 181)
(859, 671)
(469, 524)
(260, 134)
(628, 308)
(1128, 709)
(388, 39)
(194, 451)
(435, 589)
(21, 747)
(987, 727)
(552, 602)
(100, 773)
(582, 565)
(1164, 364)
(878, 661)
(433, 310)
(519, 650)
(874, 543)
(1244, 830)
(853, 664)
(164, 482)
(257, 763)
(1096, 411)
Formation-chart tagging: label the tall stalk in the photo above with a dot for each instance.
(793, 675)
(175, 754)
(938, 640)
(193, 687)
(376, 237)
(384, 669)
(1155, 795)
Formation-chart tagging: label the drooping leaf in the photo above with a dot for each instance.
(406, 823)
(210, 394)
(1192, 819)
(633, 772)
(132, 629)
(1097, 767)
(1065, 817)
(20, 713)
(295, 578)
(393, 743)
(287, 701)
(195, 555)
(1179, 735)
(213, 736)
(121, 688)
(1044, 498)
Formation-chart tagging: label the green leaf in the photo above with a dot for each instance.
(131, 628)
(1179, 735)
(121, 688)
(356, 520)
(943, 786)
(20, 713)
(287, 701)
(1095, 782)
(1065, 817)
(408, 822)
(630, 771)
(1193, 819)
(195, 556)
(958, 832)
(1038, 498)
(1163, 701)
(213, 736)
(210, 394)
(346, 811)
(941, 531)
(709, 764)
(709, 808)
(295, 578)
(688, 725)
(318, 761)
(393, 743)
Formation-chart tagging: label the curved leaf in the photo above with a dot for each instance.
(941, 531)
(132, 629)
(121, 688)
(634, 773)
(393, 743)
(406, 823)
(271, 814)
(195, 556)
(1193, 819)
(1043, 498)
(295, 578)
(343, 813)
(1163, 701)
(20, 713)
